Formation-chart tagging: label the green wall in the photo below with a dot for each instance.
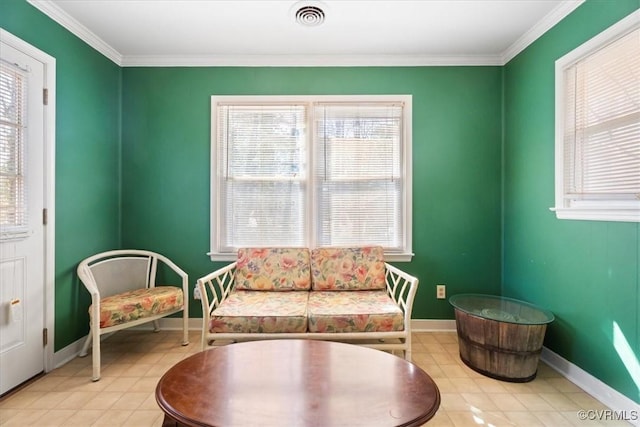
(483, 180)
(586, 272)
(456, 163)
(87, 157)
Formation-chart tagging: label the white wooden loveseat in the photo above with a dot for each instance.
(340, 294)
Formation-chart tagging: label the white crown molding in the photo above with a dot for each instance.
(308, 61)
(54, 12)
(544, 25)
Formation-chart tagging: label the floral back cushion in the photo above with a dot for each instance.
(273, 269)
(341, 269)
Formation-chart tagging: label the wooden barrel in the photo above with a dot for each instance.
(503, 350)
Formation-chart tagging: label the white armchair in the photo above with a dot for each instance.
(124, 293)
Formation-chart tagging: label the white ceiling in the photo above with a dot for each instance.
(264, 32)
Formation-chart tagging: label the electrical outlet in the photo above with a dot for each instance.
(441, 291)
(196, 292)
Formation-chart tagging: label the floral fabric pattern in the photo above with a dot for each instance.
(353, 311)
(273, 269)
(252, 312)
(339, 269)
(137, 304)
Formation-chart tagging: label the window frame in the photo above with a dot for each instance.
(607, 207)
(216, 254)
(18, 229)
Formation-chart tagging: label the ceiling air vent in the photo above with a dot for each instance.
(309, 16)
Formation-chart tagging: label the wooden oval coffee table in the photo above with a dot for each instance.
(296, 383)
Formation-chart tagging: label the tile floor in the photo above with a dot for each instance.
(134, 361)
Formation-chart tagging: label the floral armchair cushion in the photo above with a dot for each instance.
(138, 304)
(341, 269)
(273, 269)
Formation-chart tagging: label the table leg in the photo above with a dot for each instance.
(169, 422)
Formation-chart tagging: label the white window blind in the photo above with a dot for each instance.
(598, 144)
(359, 174)
(262, 175)
(602, 138)
(13, 218)
(311, 171)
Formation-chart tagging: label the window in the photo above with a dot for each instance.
(598, 127)
(13, 218)
(311, 171)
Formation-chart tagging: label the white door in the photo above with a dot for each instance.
(22, 245)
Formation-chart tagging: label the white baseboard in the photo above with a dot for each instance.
(613, 399)
(174, 324)
(616, 401)
(433, 325)
(68, 353)
(587, 382)
(72, 351)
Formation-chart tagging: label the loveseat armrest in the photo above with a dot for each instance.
(402, 288)
(214, 289)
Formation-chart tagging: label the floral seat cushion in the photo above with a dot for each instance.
(252, 312)
(353, 311)
(334, 269)
(273, 269)
(138, 304)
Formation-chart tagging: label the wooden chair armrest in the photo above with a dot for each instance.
(216, 286)
(84, 274)
(402, 288)
(214, 289)
(180, 272)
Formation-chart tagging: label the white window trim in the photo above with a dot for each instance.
(407, 255)
(594, 210)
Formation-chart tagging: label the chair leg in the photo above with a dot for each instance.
(156, 326)
(96, 354)
(87, 343)
(407, 352)
(185, 328)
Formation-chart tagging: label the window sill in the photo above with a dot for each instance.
(598, 214)
(232, 257)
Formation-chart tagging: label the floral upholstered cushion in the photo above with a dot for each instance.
(348, 269)
(273, 269)
(137, 304)
(353, 311)
(251, 312)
